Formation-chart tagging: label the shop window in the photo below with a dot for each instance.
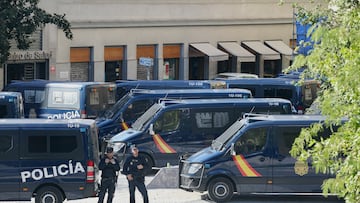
(113, 57)
(171, 54)
(145, 72)
(80, 63)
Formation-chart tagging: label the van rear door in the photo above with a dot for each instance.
(99, 98)
(9, 165)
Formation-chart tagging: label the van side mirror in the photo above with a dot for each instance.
(151, 129)
(121, 117)
(232, 149)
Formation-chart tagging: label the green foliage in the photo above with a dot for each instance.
(20, 18)
(335, 59)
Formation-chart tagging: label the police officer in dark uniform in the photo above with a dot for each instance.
(135, 168)
(109, 166)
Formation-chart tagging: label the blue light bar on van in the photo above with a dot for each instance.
(82, 130)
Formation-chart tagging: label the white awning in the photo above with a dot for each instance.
(211, 51)
(240, 52)
(280, 47)
(262, 49)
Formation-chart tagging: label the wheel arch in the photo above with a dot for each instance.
(221, 174)
(49, 185)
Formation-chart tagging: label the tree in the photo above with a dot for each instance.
(20, 18)
(335, 59)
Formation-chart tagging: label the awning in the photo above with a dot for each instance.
(280, 47)
(262, 49)
(211, 51)
(240, 52)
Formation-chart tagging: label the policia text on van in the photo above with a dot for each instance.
(50, 160)
(172, 128)
(252, 156)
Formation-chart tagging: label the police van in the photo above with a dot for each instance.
(172, 128)
(131, 106)
(252, 156)
(50, 160)
(64, 100)
(124, 86)
(11, 105)
(301, 96)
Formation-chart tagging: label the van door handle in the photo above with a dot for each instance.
(262, 159)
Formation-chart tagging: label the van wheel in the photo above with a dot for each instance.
(49, 194)
(150, 162)
(220, 190)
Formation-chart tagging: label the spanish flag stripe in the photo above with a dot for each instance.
(162, 145)
(158, 145)
(124, 126)
(244, 167)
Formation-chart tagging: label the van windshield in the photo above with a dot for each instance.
(219, 142)
(60, 97)
(111, 112)
(142, 120)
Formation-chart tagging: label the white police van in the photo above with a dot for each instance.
(51, 160)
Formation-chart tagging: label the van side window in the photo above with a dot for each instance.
(284, 138)
(285, 93)
(50, 143)
(9, 147)
(62, 144)
(4, 111)
(169, 121)
(6, 143)
(212, 119)
(37, 144)
(251, 142)
(34, 96)
(136, 109)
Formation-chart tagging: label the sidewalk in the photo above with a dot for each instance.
(155, 195)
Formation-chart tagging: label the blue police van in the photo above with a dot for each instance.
(252, 156)
(50, 160)
(302, 96)
(64, 100)
(33, 93)
(172, 128)
(131, 106)
(124, 86)
(11, 105)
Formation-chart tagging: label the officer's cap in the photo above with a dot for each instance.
(109, 150)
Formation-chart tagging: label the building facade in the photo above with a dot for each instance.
(158, 39)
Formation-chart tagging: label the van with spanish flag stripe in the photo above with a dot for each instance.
(132, 105)
(172, 128)
(252, 157)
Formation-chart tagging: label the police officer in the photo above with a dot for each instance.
(109, 166)
(135, 168)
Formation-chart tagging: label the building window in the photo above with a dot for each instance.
(80, 59)
(171, 54)
(145, 72)
(113, 57)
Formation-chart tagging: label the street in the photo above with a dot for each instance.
(181, 196)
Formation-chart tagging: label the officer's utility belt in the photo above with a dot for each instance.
(108, 178)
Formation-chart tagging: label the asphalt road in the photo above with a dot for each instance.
(175, 195)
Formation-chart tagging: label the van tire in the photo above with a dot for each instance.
(49, 194)
(220, 189)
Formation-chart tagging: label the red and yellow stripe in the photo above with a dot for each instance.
(124, 125)
(244, 167)
(162, 145)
